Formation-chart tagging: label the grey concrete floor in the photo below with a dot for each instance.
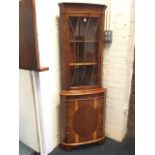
(109, 147)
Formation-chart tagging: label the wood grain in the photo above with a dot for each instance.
(28, 41)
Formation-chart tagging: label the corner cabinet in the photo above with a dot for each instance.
(82, 95)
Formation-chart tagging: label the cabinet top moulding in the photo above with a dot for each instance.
(81, 8)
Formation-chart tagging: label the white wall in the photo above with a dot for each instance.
(117, 70)
(27, 113)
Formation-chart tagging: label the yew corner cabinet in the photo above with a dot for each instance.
(82, 113)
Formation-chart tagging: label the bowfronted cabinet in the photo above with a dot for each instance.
(82, 96)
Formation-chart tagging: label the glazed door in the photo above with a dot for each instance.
(84, 51)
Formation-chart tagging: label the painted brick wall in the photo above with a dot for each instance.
(131, 114)
(117, 67)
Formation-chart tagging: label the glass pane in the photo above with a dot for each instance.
(83, 50)
(83, 28)
(84, 75)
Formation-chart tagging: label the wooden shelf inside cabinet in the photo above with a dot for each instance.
(83, 92)
(28, 41)
(83, 41)
(83, 88)
(83, 64)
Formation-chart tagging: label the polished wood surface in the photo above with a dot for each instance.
(81, 64)
(83, 118)
(83, 92)
(83, 100)
(88, 142)
(28, 43)
(81, 8)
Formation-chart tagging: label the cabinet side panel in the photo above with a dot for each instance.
(63, 122)
(100, 48)
(100, 107)
(71, 108)
(63, 27)
(67, 114)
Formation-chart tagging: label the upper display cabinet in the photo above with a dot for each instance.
(81, 34)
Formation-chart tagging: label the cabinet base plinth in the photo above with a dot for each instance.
(70, 146)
